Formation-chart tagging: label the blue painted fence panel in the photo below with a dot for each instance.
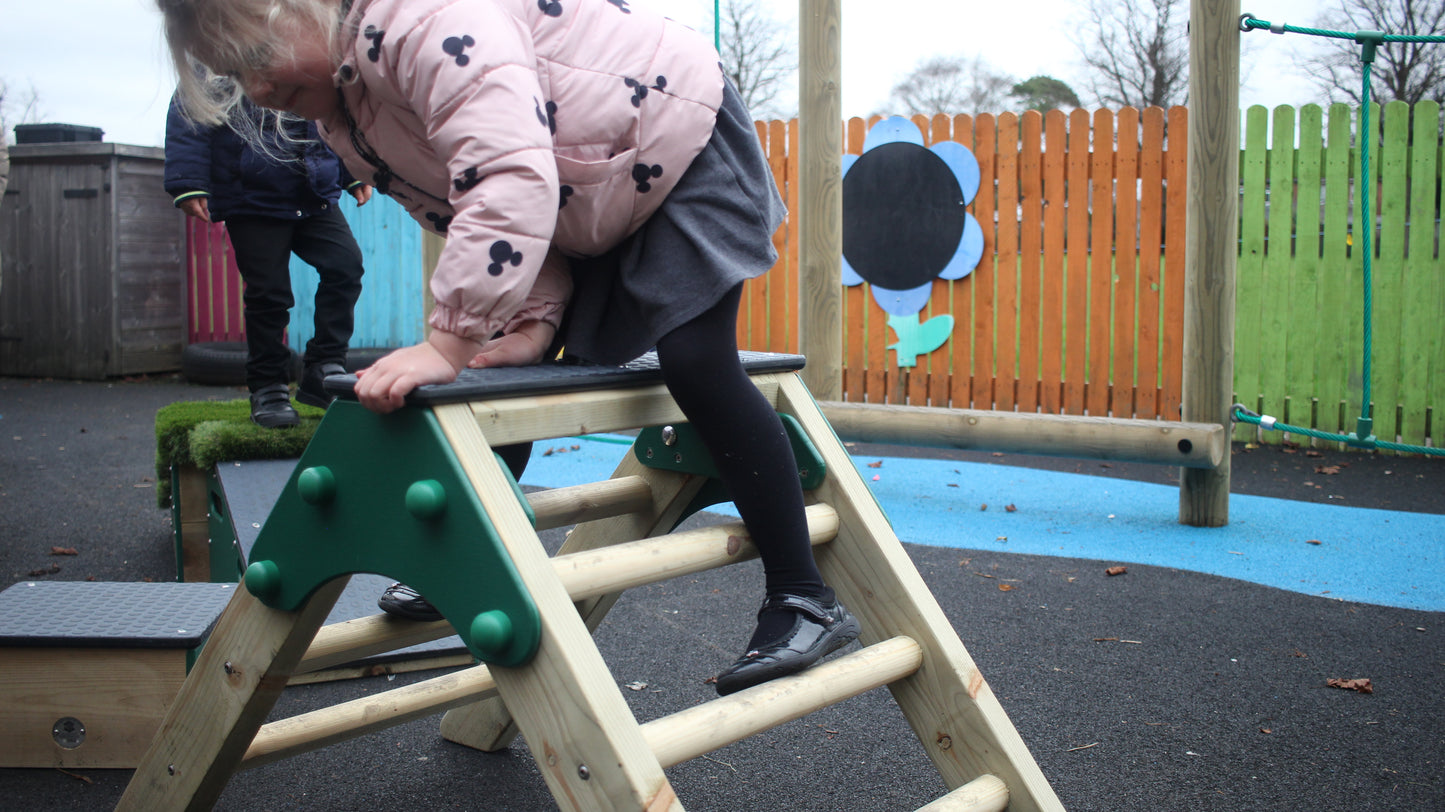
(389, 313)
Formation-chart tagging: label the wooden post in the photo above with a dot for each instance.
(820, 199)
(1211, 248)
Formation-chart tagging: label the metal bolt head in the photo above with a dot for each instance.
(68, 732)
(669, 436)
(583, 772)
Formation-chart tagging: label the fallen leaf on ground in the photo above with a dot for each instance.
(983, 506)
(878, 464)
(1313, 541)
(50, 570)
(1314, 454)
(1005, 587)
(1265, 730)
(1328, 470)
(636, 686)
(1361, 685)
(63, 551)
(1010, 508)
(1116, 570)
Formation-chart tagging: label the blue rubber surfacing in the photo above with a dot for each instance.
(1365, 555)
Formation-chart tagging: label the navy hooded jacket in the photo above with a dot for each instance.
(242, 180)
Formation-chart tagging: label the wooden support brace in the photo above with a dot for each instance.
(949, 705)
(233, 685)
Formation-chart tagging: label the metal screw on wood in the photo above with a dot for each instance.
(583, 772)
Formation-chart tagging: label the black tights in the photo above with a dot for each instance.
(700, 366)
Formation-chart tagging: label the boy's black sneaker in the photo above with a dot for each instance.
(311, 392)
(271, 407)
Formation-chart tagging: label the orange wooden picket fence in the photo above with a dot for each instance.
(1046, 323)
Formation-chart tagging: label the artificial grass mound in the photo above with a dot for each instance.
(205, 432)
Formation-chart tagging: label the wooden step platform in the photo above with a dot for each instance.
(89, 669)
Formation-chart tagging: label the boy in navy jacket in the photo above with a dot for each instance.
(275, 200)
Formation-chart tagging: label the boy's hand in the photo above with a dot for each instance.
(525, 345)
(197, 207)
(383, 386)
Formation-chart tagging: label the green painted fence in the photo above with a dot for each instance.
(1300, 343)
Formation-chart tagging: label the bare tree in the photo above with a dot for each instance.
(18, 106)
(757, 53)
(952, 84)
(1137, 52)
(1402, 71)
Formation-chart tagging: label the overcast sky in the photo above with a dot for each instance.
(101, 63)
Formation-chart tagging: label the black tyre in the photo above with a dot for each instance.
(222, 363)
(363, 357)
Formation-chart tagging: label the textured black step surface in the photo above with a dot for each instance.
(110, 614)
(554, 378)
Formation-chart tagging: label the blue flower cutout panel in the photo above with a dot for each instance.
(905, 224)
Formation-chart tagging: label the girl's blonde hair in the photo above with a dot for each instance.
(214, 42)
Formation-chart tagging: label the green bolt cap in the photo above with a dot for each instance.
(492, 633)
(426, 499)
(317, 485)
(263, 579)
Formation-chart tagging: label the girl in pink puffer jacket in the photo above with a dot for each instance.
(558, 144)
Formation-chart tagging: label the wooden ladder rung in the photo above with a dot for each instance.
(987, 793)
(584, 575)
(347, 720)
(687, 734)
(559, 507)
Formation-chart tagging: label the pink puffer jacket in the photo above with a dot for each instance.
(512, 126)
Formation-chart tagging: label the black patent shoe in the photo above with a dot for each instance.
(819, 629)
(403, 601)
(310, 391)
(271, 407)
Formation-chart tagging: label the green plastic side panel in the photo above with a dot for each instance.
(678, 448)
(225, 551)
(176, 526)
(386, 494)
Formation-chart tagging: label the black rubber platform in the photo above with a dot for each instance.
(547, 379)
(110, 615)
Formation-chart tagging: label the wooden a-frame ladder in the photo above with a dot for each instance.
(532, 621)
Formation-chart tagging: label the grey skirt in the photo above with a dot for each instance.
(714, 231)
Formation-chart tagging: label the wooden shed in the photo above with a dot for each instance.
(92, 271)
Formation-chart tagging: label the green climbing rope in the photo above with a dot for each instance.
(1370, 41)
(1243, 415)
